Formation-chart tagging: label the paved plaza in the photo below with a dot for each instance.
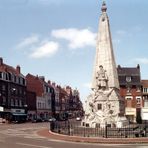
(27, 136)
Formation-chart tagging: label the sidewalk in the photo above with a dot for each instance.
(48, 134)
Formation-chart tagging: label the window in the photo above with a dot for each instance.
(128, 101)
(9, 76)
(21, 80)
(20, 103)
(15, 79)
(12, 102)
(24, 82)
(128, 79)
(16, 103)
(1, 75)
(146, 101)
(145, 90)
(3, 87)
(12, 77)
(99, 106)
(4, 76)
(138, 100)
(4, 100)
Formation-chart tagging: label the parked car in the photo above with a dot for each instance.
(52, 119)
(36, 120)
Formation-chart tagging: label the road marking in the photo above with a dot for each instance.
(31, 145)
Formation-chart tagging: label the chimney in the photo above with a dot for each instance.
(42, 78)
(53, 84)
(49, 82)
(18, 69)
(1, 61)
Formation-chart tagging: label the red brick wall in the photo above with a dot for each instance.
(31, 100)
(34, 84)
(133, 93)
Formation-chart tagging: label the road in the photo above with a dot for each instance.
(24, 136)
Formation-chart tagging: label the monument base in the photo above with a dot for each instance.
(103, 108)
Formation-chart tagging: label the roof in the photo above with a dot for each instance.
(128, 71)
(132, 72)
(10, 69)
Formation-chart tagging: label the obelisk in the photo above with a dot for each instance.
(104, 104)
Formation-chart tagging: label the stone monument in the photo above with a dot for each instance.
(104, 105)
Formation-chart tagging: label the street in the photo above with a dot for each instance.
(24, 136)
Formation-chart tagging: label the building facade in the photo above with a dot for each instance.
(13, 105)
(44, 97)
(144, 111)
(130, 91)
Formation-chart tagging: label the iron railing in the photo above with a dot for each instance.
(72, 128)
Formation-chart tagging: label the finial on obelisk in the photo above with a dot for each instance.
(104, 8)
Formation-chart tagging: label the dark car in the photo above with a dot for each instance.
(36, 120)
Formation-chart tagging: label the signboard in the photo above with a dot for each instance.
(18, 110)
(1, 109)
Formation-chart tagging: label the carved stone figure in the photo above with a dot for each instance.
(101, 78)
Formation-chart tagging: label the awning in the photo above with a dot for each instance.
(19, 114)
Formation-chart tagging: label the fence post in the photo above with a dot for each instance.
(105, 130)
(68, 128)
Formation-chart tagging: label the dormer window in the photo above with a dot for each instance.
(128, 79)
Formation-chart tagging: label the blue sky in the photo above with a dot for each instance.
(56, 38)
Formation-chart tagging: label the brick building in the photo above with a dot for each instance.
(130, 90)
(74, 103)
(44, 97)
(144, 111)
(12, 93)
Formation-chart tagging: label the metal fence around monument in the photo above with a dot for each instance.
(75, 129)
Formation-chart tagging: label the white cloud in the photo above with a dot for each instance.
(77, 38)
(28, 41)
(45, 50)
(141, 60)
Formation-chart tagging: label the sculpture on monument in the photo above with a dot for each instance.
(101, 78)
(103, 104)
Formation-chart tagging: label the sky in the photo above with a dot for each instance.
(56, 38)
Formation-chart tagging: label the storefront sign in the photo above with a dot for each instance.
(1, 108)
(18, 110)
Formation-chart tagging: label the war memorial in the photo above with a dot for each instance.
(104, 108)
(104, 104)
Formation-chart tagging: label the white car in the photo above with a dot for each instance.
(78, 119)
(52, 119)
